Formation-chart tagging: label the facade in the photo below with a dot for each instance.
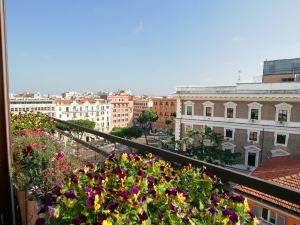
(284, 170)
(140, 104)
(283, 70)
(165, 107)
(22, 105)
(97, 110)
(259, 120)
(121, 109)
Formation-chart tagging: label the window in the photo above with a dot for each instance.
(189, 108)
(283, 112)
(252, 136)
(254, 114)
(229, 113)
(252, 154)
(208, 111)
(230, 110)
(264, 214)
(272, 218)
(268, 215)
(282, 115)
(228, 133)
(281, 139)
(67, 109)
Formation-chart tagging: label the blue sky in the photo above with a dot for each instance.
(147, 46)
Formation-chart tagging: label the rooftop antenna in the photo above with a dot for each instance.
(239, 76)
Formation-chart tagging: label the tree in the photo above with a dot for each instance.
(127, 132)
(208, 148)
(145, 121)
(83, 123)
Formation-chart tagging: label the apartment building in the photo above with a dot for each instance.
(97, 110)
(165, 107)
(121, 108)
(259, 120)
(141, 103)
(284, 170)
(282, 70)
(31, 104)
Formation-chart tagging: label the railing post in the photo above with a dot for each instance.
(7, 202)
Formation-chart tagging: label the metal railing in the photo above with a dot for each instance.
(271, 188)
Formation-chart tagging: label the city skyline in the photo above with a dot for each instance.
(147, 47)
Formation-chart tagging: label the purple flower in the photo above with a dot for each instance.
(79, 220)
(141, 173)
(56, 190)
(90, 202)
(232, 215)
(118, 172)
(172, 191)
(40, 221)
(45, 148)
(190, 209)
(90, 175)
(101, 217)
(125, 194)
(144, 198)
(171, 206)
(143, 216)
(112, 205)
(90, 165)
(237, 198)
(212, 210)
(149, 163)
(74, 178)
(135, 190)
(98, 189)
(81, 170)
(151, 179)
(251, 214)
(70, 194)
(214, 200)
(159, 214)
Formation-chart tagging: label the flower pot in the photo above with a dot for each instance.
(28, 209)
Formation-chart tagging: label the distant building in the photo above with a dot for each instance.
(71, 95)
(141, 103)
(284, 170)
(97, 110)
(282, 70)
(165, 108)
(259, 120)
(121, 108)
(31, 104)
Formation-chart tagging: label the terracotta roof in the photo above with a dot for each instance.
(284, 170)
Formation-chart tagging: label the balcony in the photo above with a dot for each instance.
(129, 150)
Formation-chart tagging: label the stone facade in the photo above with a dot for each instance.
(263, 123)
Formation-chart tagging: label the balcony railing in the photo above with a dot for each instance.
(271, 188)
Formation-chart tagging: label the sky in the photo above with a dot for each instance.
(146, 46)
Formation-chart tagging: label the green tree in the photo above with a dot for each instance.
(83, 123)
(205, 144)
(127, 132)
(145, 121)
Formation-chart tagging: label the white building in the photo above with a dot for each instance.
(71, 95)
(22, 105)
(97, 110)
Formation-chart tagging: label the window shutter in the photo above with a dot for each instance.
(257, 211)
(280, 220)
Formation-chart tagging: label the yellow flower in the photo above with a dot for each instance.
(96, 203)
(180, 197)
(117, 214)
(124, 157)
(107, 222)
(191, 222)
(225, 221)
(69, 202)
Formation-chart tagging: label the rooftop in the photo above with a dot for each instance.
(284, 170)
(282, 66)
(240, 88)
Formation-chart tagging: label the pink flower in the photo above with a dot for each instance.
(45, 148)
(59, 155)
(35, 145)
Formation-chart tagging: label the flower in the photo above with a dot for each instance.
(135, 190)
(214, 200)
(237, 198)
(45, 148)
(233, 217)
(143, 216)
(35, 145)
(74, 178)
(70, 194)
(59, 155)
(28, 150)
(79, 220)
